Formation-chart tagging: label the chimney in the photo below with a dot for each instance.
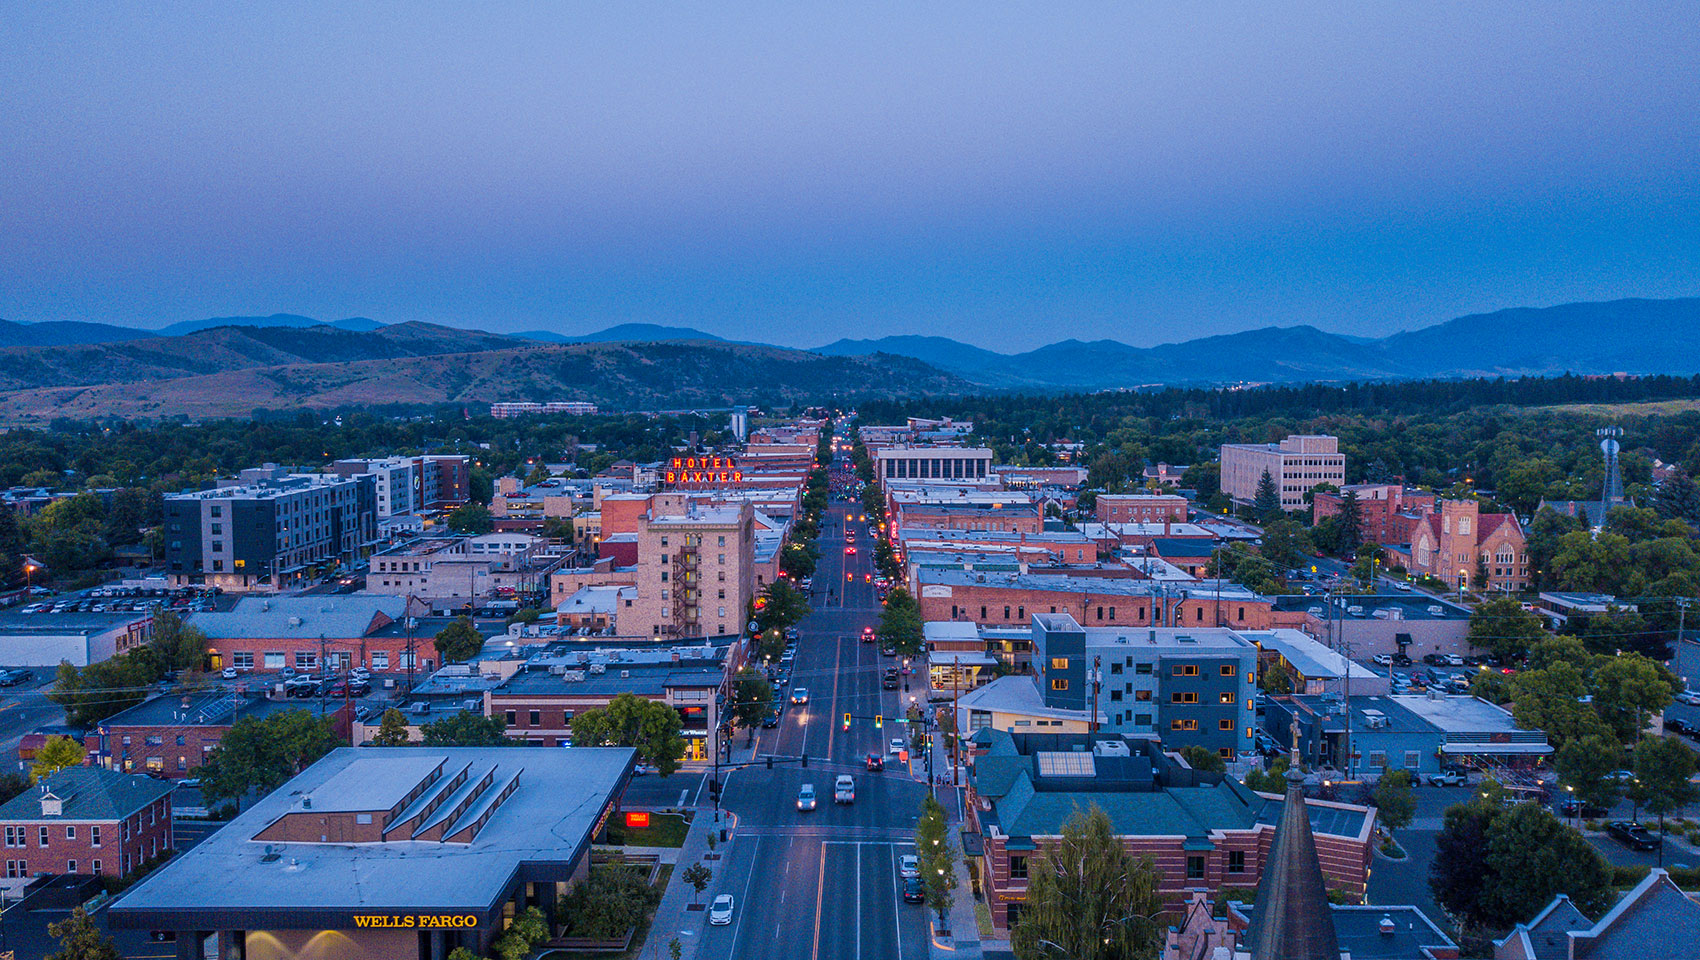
(1386, 926)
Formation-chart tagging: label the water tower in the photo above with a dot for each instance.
(1613, 491)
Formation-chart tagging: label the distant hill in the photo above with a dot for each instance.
(57, 332)
(618, 375)
(621, 333)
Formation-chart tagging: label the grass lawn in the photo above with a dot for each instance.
(664, 830)
(636, 949)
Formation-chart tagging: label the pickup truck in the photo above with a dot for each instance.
(844, 789)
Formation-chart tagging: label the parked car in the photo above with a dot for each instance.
(720, 911)
(1452, 660)
(1434, 659)
(1632, 835)
(1401, 660)
(1448, 778)
(1383, 659)
(228, 673)
(1690, 697)
(914, 891)
(806, 798)
(1572, 807)
(1678, 725)
(771, 720)
(908, 865)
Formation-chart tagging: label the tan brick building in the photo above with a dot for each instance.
(1458, 542)
(695, 572)
(1297, 464)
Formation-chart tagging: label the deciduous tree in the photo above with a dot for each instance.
(465, 729)
(55, 755)
(1394, 804)
(1502, 627)
(1495, 866)
(80, 939)
(459, 640)
(1664, 769)
(1629, 689)
(632, 721)
(1088, 899)
(1585, 764)
(260, 754)
(1203, 758)
(752, 699)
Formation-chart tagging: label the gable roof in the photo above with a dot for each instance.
(87, 793)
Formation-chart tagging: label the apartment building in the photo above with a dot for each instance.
(1140, 508)
(270, 532)
(1003, 598)
(87, 821)
(502, 411)
(464, 568)
(409, 485)
(1297, 464)
(696, 569)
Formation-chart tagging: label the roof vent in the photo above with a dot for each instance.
(1386, 926)
(306, 803)
(295, 621)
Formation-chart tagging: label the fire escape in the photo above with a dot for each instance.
(686, 587)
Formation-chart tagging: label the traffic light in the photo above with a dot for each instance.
(847, 721)
(770, 763)
(879, 721)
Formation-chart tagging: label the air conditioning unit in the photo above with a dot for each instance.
(597, 668)
(573, 676)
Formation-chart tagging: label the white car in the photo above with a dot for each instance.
(1690, 697)
(806, 798)
(228, 673)
(909, 865)
(1453, 660)
(844, 789)
(720, 911)
(897, 745)
(799, 695)
(1383, 659)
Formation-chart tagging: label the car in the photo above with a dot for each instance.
(1402, 585)
(806, 798)
(771, 720)
(1433, 659)
(1621, 776)
(908, 865)
(1572, 807)
(888, 651)
(228, 673)
(1448, 778)
(1690, 697)
(867, 578)
(1382, 659)
(849, 551)
(897, 745)
(1452, 660)
(1632, 835)
(844, 789)
(800, 695)
(11, 678)
(720, 911)
(889, 680)
(867, 634)
(1402, 660)
(642, 769)
(876, 762)
(360, 673)
(914, 891)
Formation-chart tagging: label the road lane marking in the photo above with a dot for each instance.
(755, 854)
(858, 901)
(837, 662)
(687, 792)
(820, 893)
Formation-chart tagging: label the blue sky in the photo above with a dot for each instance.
(1006, 174)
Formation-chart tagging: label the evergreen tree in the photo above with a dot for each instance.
(1351, 532)
(1088, 898)
(1267, 503)
(392, 729)
(1678, 497)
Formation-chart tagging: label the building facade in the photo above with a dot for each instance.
(1460, 545)
(85, 820)
(932, 463)
(695, 575)
(1140, 508)
(1296, 464)
(270, 533)
(408, 485)
(1387, 512)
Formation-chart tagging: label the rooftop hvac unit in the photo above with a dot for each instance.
(583, 656)
(295, 621)
(558, 669)
(598, 668)
(1435, 609)
(625, 674)
(573, 676)
(1111, 748)
(1355, 610)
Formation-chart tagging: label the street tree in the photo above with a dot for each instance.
(1664, 769)
(473, 518)
(177, 645)
(781, 605)
(80, 939)
(1277, 680)
(1629, 689)
(102, 689)
(465, 729)
(900, 622)
(1502, 627)
(1550, 700)
(459, 640)
(55, 755)
(1585, 765)
(752, 700)
(938, 857)
(1394, 803)
(651, 727)
(1267, 502)
(1088, 898)
(1495, 866)
(698, 876)
(260, 754)
(1351, 532)
(392, 729)
(1284, 547)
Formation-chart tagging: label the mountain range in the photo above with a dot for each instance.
(228, 366)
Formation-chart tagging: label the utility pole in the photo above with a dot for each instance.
(956, 724)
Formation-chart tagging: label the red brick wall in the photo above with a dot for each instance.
(1114, 509)
(359, 649)
(120, 850)
(967, 602)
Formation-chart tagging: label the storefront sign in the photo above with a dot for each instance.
(423, 921)
(637, 819)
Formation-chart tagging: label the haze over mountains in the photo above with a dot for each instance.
(230, 365)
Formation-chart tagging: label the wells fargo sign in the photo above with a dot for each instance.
(420, 921)
(704, 470)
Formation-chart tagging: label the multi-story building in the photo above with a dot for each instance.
(1201, 829)
(1187, 687)
(308, 633)
(1140, 508)
(1296, 464)
(408, 485)
(695, 575)
(268, 533)
(85, 820)
(465, 568)
(1459, 544)
(1387, 512)
(1418, 734)
(502, 411)
(170, 736)
(932, 463)
(1004, 598)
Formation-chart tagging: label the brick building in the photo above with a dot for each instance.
(1296, 464)
(85, 820)
(1387, 512)
(170, 736)
(1460, 543)
(308, 632)
(695, 572)
(1140, 508)
(1202, 829)
(993, 598)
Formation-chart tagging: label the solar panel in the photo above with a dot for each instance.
(1058, 764)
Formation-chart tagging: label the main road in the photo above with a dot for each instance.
(824, 885)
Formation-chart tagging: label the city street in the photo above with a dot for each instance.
(824, 883)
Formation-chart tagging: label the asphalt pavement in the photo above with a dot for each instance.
(824, 883)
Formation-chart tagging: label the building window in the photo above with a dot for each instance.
(1194, 867)
(1115, 696)
(1115, 668)
(41, 837)
(1411, 760)
(512, 718)
(1059, 684)
(1143, 696)
(70, 866)
(1059, 663)
(14, 836)
(1183, 724)
(274, 659)
(1378, 758)
(1227, 724)
(380, 660)
(1017, 867)
(1236, 861)
(1227, 671)
(1185, 670)
(363, 818)
(96, 868)
(1142, 719)
(1143, 669)
(1183, 697)
(537, 718)
(306, 660)
(1225, 698)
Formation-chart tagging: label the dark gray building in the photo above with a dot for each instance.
(268, 531)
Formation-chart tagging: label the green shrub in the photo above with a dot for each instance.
(1627, 876)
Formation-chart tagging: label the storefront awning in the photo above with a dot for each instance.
(1473, 749)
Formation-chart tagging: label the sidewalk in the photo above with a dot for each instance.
(963, 943)
(673, 917)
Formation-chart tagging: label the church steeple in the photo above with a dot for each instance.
(1292, 920)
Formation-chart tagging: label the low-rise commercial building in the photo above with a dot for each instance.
(46, 639)
(992, 598)
(1387, 512)
(405, 852)
(413, 485)
(1140, 508)
(449, 570)
(84, 820)
(1415, 624)
(170, 736)
(931, 463)
(1201, 829)
(308, 633)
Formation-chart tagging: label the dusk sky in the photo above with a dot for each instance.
(1005, 174)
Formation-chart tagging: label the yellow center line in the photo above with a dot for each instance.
(832, 731)
(820, 892)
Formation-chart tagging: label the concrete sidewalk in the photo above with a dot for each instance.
(673, 917)
(963, 941)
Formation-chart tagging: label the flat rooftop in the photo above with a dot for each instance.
(1459, 714)
(1404, 606)
(204, 710)
(233, 880)
(1097, 586)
